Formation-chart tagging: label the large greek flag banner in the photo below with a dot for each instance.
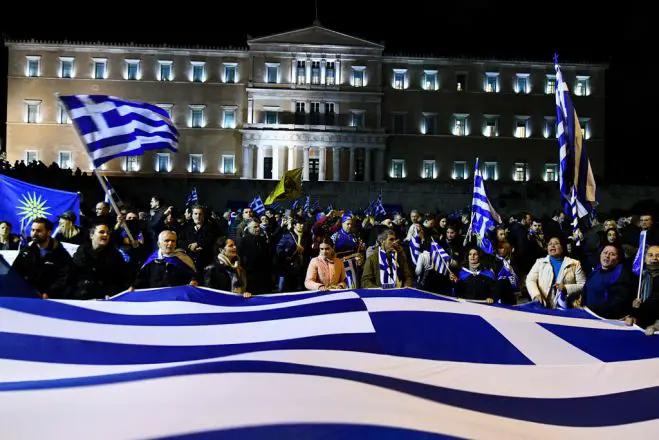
(368, 364)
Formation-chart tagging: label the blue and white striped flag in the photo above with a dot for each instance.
(192, 198)
(367, 364)
(111, 127)
(640, 254)
(574, 170)
(507, 273)
(440, 258)
(257, 205)
(483, 216)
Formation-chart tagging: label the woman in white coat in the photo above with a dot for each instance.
(555, 280)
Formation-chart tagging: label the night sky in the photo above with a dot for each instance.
(582, 31)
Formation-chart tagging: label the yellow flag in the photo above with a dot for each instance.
(289, 187)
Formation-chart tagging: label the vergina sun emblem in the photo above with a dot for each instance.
(32, 206)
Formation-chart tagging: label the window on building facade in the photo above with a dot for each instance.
(230, 73)
(300, 113)
(521, 128)
(270, 117)
(66, 67)
(430, 80)
(330, 73)
(330, 115)
(272, 73)
(100, 68)
(31, 156)
(359, 167)
(63, 117)
(582, 86)
(165, 72)
(64, 160)
(358, 76)
(314, 167)
(228, 118)
(198, 71)
(551, 172)
(400, 76)
(461, 82)
(33, 66)
(460, 125)
(522, 84)
(196, 116)
(491, 171)
(428, 123)
(196, 163)
(301, 72)
(32, 109)
(550, 127)
(357, 118)
(314, 113)
(429, 169)
(315, 72)
(459, 170)
(492, 82)
(163, 162)
(520, 172)
(132, 163)
(491, 126)
(267, 167)
(132, 70)
(550, 84)
(228, 164)
(398, 168)
(168, 108)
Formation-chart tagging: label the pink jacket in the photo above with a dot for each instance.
(323, 273)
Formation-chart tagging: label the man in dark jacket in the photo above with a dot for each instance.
(44, 264)
(99, 269)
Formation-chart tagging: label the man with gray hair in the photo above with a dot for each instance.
(387, 267)
(167, 266)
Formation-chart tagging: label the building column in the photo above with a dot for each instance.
(321, 163)
(275, 162)
(323, 64)
(305, 170)
(336, 164)
(379, 165)
(351, 176)
(260, 155)
(291, 157)
(247, 161)
(367, 164)
(337, 70)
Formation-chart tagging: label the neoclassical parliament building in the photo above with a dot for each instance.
(337, 105)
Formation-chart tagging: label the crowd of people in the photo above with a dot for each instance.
(251, 253)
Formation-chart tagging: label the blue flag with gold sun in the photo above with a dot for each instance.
(22, 202)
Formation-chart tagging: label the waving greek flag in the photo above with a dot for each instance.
(575, 170)
(111, 127)
(440, 258)
(483, 216)
(194, 363)
(257, 205)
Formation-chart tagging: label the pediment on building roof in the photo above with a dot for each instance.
(315, 35)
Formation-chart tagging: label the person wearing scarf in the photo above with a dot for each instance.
(387, 267)
(645, 310)
(167, 266)
(415, 244)
(608, 291)
(476, 282)
(226, 273)
(325, 272)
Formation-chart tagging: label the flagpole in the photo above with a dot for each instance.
(640, 272)
(101, 181)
